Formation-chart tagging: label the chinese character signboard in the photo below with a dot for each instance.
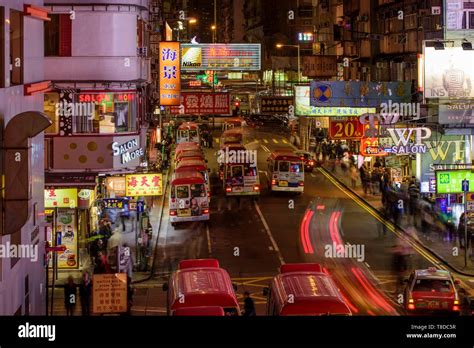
(303, 107)
(449, 73)
(144, 185)
(113, 203)
(274, 105)
(170, 78)
(320, 66)
(66, 235)
(204, 104)
(358, 94)
(60, 198)
(109, 293)
(228, 57)
(350, 128)
(451, 181)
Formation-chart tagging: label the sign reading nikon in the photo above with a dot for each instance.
(237, 57)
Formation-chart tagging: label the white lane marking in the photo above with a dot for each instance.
(269, 233)
(367, 264)
(209, 247)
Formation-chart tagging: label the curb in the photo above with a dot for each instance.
(431, 251)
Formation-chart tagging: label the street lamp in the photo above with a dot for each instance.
(213, 28)
(278, 45)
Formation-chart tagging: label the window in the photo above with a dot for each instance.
(197, 190)
(57, 36)
(16, 48)
(433, 285)
(296, 167)
(284, 166)
(106, 113)
(250, 171)
(182, 191)
(51, 100)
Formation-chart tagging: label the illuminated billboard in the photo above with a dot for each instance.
(237, 57)
(451, 181)
(170, 78)
(303, 108)
(137, 185)
(449, 73)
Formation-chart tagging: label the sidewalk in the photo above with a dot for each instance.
(434, 242)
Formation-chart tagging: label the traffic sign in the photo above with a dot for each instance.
(140, 206)
(465, 185)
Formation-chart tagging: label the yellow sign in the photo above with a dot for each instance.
(109, 293)
(66, 235)
(144, 185)
(60, 198)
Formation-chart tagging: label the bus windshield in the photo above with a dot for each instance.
(291, 167)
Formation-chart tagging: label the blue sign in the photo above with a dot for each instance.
(358, 94)
(140, 206)
(465, 186)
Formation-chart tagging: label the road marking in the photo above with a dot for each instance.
(313, 175)
(209, 247)
(269, 233)
(275, 141)
(265, 141)
(284, 141)
(367, 264)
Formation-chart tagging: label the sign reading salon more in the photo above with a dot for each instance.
(127, 151)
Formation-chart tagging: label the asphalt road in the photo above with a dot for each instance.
(252, 239)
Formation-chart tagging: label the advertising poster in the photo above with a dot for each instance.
(60, 198)
(228, 57)
(109, 293)
(144, 185)
(458, 112)
(449, 73)
(66, 234)
(349, 128)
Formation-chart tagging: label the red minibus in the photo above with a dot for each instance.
(304, 289)
(201, 283)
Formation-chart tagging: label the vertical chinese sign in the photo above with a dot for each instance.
(109, 293)
(170, 76)
(144, 185)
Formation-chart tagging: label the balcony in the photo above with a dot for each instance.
(96, 68)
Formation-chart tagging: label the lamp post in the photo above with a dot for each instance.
(299, 63)
(213, 28)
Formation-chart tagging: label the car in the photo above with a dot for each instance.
(431, 291)
(308, 160)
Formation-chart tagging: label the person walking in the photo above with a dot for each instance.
(70, 294)
(210, 140)
(85, 291)
(249, 305)
(353, 172)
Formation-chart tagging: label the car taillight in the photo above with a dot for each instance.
(301, 183)
(172, 212)
(456, 305)
(274, 182)
(205, 211)
(411, 304)
(311, 163)
(256, 188)
(228, 189)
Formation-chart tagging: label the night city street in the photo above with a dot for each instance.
(252, 159)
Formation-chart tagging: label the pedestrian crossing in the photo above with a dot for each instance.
(266, 141)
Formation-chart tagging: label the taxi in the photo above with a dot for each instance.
(431, 291)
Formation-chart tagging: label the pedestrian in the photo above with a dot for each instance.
(249, 305)
(85, 291)
(102, 263)
(363, 177)
(414, 195)
(210, 139)
(353, 172)
(70, 294)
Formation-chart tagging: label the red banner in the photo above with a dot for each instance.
(351, 128)
(203, 104)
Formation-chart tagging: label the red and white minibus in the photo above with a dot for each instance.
(188, 132)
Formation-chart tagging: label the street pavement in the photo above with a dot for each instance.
(252, 239)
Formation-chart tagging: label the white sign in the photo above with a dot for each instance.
(128, 151)
(435, 10)
(449, 73)
(401, 137)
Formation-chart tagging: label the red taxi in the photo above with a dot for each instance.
(431, 291)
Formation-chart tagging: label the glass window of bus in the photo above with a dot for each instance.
(296, 167)
(283, 166)
(183, 134)
(182, 191)
(237, 175)
(250, 171)
(197, 190)
(193, 133)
